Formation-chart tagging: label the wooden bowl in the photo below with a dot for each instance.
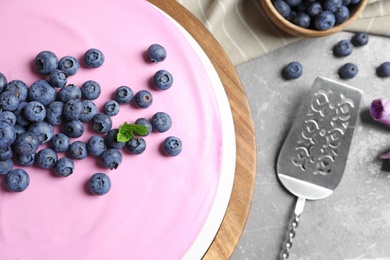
(295, 30)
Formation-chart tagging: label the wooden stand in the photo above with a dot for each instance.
(234, 221)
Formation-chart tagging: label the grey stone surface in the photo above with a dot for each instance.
(352, 223)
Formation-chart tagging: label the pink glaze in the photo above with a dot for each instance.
(157, 204)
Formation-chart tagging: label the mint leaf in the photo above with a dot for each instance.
(127, 131)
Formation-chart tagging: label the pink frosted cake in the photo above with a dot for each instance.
(158, 206)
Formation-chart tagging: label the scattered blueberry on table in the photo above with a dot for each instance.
(292, 70)
(348, 71)
(343, 48)
(383, 70)
(360, 39)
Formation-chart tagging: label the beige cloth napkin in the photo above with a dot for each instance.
(243, 30)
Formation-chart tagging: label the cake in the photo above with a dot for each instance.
(158, 206)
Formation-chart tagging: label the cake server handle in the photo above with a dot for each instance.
(292, 228)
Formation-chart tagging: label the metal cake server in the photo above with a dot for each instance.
(313, 157)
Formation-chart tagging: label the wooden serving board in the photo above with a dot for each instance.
(238, 209)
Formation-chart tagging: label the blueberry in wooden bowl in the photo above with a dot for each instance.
(308, 18)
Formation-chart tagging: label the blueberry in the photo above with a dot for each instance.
(383, 70)
(73, 109)
(46, 158)
(25, 160)
(162, 80)
(69, 65)
(123, 95)
(157, 53)
(111, 108)
(161, 122)
(20, 88)
(45, 62)
(99, 184)
(90, 90)
(54, 113)
(172, 146)
(6, 166)
(74, 128)
(291, 16)
(3, 82)
(64, 167)
(69, 92)
(302, 20)
(17, 180)
(60, 142)
(78, 150)
(282, 7)
(301, 7)
(293, 2)
(101, 123)
(19, 113)
(331, 5)
(6, 153)
(35, 111)
(292, 70)
(343, 48)
(348, 71)
(136, 145)
(19, 130)
(89, 111)
(360, 39)
(144, 122)
(42, 91)
(96, 145)
(8, 117)
(324, 21)
(26, 143)
(111, 158)
(43, 130)
(314, 9)
(7, 135)
(341, 14)
(58, 78)
(112, 141)
(94, 58)
(9, 101)
(346, 2)
(143, 99)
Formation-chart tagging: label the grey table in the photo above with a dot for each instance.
(352, 223)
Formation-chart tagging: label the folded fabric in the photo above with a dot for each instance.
(244, 31)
